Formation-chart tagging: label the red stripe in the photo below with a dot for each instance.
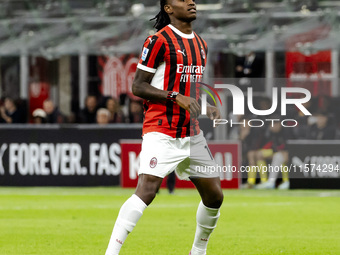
(166, 76)
(190, 61)
(188, 85)
(176, 108)
(155, 50)
(199, 60)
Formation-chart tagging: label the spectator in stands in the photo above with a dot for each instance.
(117, 116)
(22, 107)
(9, 112)
(53, 115)
(39, 116)
(300, 131)
(263, 103)
(136, 112)
(89, 113)
(103, 116)
(250, 66)
(275, 151)
(252, 140)
(322, 129)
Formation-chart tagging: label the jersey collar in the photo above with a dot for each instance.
(186, 36)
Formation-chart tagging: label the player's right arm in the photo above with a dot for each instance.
(151, 56)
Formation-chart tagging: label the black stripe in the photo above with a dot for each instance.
(202, 42)
(150, 47)
(182, 88)
(200, 48)
(146, 107)
(202, 63)
(172, 76)
(193, 85)
(159, 57)
(188, 128)
(194, 62)
(173, 61)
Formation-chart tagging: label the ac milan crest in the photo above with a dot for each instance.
(153, 162)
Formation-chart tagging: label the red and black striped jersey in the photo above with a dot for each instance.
(178, 61)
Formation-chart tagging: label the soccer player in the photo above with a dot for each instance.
(171, 61)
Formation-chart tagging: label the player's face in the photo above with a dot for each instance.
(184, 10)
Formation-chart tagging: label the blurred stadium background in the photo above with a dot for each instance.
(68, 118)
(63, 60)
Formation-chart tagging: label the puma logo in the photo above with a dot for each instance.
(182, 52)
(151, 40)
(204, 239)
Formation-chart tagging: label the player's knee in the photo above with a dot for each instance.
(149, 196)
(219, 198)
(251, 154)
(214, 200)
(147, 188)
(259, 155)
(147, 193)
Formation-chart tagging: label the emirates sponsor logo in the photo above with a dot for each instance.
(190, 73)
(191, 69)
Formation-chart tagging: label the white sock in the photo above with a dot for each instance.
(129, 214)
(206, 223)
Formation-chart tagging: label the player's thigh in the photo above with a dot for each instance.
(199, 149)
(200, 162)
(251, 154)
(159, 155)
(265, 154)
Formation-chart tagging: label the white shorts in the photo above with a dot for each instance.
(189, 156)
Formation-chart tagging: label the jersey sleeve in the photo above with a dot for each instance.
(152, 54)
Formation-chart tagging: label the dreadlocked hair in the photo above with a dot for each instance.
(162, 18)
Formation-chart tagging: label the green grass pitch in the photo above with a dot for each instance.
(80, 220)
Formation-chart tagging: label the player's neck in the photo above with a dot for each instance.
(184, 27)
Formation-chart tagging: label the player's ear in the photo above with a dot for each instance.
(168, 9)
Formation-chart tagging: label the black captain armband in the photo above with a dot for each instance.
(172, 96)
